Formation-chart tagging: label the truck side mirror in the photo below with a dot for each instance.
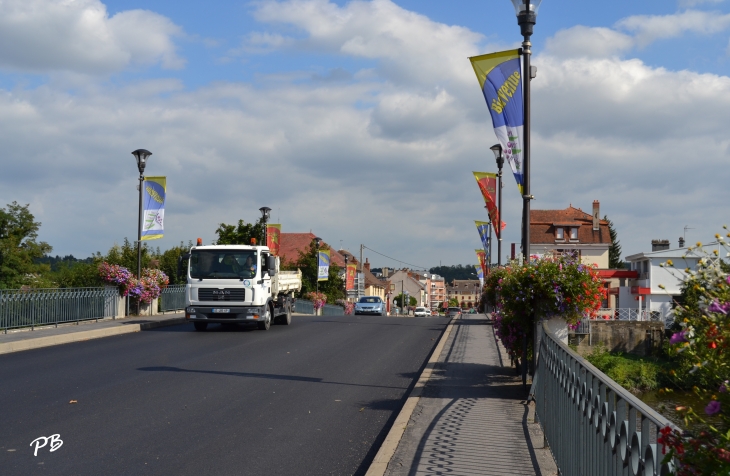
(271, 265)
(180, 260)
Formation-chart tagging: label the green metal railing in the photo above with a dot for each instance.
(332, 310)
(593, 425)
(40, 307)
(303, 306)
(172, 298)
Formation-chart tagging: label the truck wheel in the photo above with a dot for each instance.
(264, 326)
(285, 320)
(200, 326)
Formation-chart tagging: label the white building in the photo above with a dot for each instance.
(643, 292)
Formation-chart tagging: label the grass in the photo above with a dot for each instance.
(635, 374)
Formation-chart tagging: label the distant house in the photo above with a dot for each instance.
(465, 291)
(292, 244)
(571, 231)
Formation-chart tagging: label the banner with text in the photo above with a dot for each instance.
(153, 205)
(500, 78)
(351, 272)
(273, 235)
(482, 255)
(323, 261)
(488, 185)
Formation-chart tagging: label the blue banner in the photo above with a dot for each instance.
(153, 205)
(500, 78)
(323, 265)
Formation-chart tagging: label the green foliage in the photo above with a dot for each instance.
(333, 288)
(126, 255)
(168, 261)
(76, 275)
(450, 273)
(614, 251)
(399, 300)
(631, 372)
(241, 234)
(701, 348)
(19, 249)
(57, 261)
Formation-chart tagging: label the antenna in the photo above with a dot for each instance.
(686, 227)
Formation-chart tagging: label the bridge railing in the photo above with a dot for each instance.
(332, 310)
(303, 306)
(39, 307)
(172, 298)
(593, 425)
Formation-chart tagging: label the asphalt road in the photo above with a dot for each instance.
(316, 397)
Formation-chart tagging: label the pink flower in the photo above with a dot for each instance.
(677, 338)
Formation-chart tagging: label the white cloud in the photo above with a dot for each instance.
(583, 41)
(694, 3)
(384, 158)
(79, 36)
(649, 28)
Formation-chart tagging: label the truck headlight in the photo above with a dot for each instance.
(190, 310)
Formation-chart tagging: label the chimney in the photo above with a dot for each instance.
(659, 245)
(367, 263)
(386, 272)
(681, 242)
(596, 215)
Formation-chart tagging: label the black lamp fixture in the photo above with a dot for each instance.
(141, 155)
(265, 213)
(497, 149)
(526, 11)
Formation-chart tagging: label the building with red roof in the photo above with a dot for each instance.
(571, 231)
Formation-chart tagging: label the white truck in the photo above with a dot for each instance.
(230, 284)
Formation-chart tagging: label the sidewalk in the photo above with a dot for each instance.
(472, 417)
(17, 340)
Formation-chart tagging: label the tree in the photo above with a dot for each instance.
(333, 288)
(240, 234)
(168, 261)
(450, 273)
(399, 300)
(19, 249)
(614, 251)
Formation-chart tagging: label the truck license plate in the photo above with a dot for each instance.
(221, 311)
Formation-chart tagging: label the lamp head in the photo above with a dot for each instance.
(317, 240)
(265, 212)
(526, 11)
(141, 155)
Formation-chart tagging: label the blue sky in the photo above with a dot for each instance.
(359, 120)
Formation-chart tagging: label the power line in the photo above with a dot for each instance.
(403, 262)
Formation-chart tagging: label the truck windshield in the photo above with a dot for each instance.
(223, 264)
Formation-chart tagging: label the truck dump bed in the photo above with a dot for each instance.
(286, 282)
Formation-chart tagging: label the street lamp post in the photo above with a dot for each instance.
(265, 212)
(347, 297)
(318, 240)
(497, 149)
(141, 155)
(526, 11)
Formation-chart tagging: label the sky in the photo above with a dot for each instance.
(359, 120)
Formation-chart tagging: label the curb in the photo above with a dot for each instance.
(392, 440)
(48, 341)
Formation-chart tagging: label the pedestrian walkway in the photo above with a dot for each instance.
(24, 339)
(472, 417)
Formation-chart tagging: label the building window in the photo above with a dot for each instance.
(559, 234)
(574, 233)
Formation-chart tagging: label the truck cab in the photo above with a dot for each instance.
(233, 284)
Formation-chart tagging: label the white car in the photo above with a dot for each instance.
(422, 312)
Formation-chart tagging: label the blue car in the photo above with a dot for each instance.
(370, 305)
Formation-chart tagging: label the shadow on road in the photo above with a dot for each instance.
(295, 378)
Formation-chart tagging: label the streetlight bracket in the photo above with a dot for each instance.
(528, 197)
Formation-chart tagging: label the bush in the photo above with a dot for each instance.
(633, 373)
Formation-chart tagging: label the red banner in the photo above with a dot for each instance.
(350, 278)
(488, 185)
(273, 235)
